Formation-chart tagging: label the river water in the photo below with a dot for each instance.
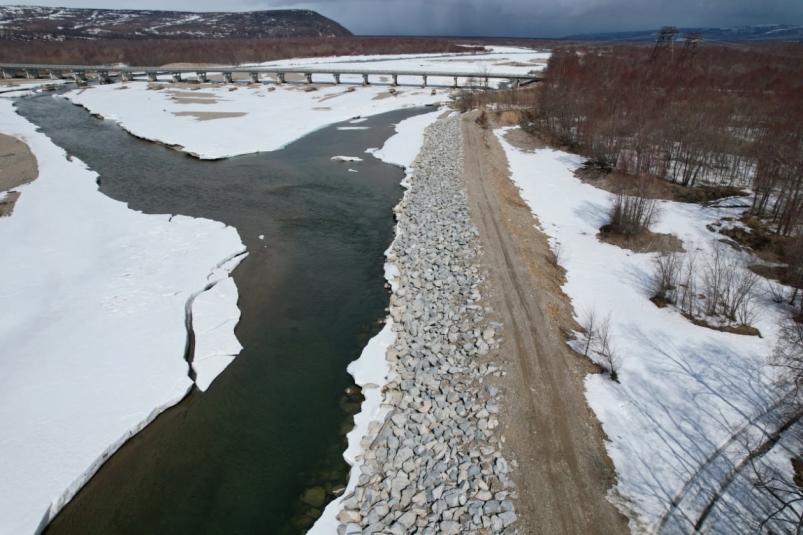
(236, 458)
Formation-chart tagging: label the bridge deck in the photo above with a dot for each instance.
(319, 69)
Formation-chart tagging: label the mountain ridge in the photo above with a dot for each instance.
(757, 32)
(28, 23)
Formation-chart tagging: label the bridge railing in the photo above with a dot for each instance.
(276, 70)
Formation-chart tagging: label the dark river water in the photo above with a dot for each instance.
(237, 458)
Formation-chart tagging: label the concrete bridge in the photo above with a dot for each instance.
(105, 73)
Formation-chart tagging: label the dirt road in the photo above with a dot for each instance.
(564, 472)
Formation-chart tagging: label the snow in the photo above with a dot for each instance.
(346, 159)
(402, 148)
(686, 393)
(277, 115)
(214, 317)
(371, 370)
(93, 300)
(273, 118)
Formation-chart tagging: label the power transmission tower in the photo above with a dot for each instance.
(689, 53)
(665, 43)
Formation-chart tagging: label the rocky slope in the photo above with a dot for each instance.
(49, 23)
(435, 465)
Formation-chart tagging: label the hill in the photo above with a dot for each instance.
(28, 23)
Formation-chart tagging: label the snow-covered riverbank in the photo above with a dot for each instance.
(220, 120)
(688, 398)
(93, 325)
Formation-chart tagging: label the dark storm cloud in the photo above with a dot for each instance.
(549, 18)
(525, 18)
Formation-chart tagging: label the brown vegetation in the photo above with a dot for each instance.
(220, 51)
(728, 118)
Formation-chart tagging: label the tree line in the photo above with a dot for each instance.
(222, 51)
(723, 116)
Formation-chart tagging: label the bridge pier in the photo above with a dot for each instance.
(151, 76)
(202, 77)
(486, 83)
(55, 75)
(103, 77)
(9, 73)
(455, 86)
(254, 77)
(365, 81)
(227, 78)
(395, 80)
(515, 83)
(280, 78)
(32, 74)
(425, 80)
(126, 76)
(308, 77)
(176, 77)
(337, 79)
(80, 78)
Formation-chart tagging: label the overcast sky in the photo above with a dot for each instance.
(515, 18)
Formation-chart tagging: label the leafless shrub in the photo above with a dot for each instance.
(776, 290)
(482, 120)
(741, 303)
(728, 287)
(559, 253)
(607, 350)
(632, 212)
(666, 274)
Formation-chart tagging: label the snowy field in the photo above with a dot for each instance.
(690, 400)
(217, 120)
(93, 308)
(497, 59)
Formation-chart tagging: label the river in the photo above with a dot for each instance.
(236, 459)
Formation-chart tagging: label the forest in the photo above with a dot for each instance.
(711, 116)
(230, 51)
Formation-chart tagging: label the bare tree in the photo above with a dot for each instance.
(788, 353)
(591, 327)
(728, 286)
(666, 273)
(741, 304)
(794, 257)
(607, 349)
(786, 495)
(689, 297)
(777, 289)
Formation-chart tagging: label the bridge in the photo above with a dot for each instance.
(105, 73)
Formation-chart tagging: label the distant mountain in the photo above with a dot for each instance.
(764, 32)
(49, 23)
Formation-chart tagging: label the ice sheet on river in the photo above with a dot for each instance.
(93, 300)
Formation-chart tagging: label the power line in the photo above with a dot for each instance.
(665, 43)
